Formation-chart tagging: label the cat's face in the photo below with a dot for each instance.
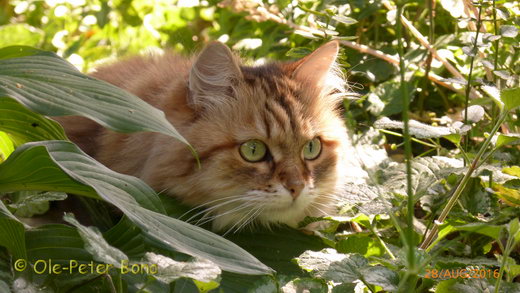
(269, 138)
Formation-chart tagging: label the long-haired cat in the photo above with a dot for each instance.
(270, 139)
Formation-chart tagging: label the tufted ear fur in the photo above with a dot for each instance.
(316, 67)
(212, 75)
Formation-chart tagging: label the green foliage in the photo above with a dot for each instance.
(464, 201)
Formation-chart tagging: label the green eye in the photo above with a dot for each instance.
(253, 150)
(312, 149)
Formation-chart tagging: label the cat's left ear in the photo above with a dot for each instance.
(212, 76)
(315, 67)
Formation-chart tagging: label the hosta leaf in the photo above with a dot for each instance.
(62, 166)
(6, 146)
(12, 237)
(47, 84)
(24, 125)
(58, 242)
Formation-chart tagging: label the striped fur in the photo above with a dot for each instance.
(216, 104)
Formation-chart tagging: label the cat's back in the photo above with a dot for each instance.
(150, 77)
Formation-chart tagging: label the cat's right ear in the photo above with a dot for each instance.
(212, 76)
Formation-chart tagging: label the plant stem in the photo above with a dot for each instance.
(474, 50)
(413, 139)
(410, 241)
(460, 187)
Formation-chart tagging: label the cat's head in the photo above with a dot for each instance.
(270, 138)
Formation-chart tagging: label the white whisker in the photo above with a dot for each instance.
(209, 202)
(211, 208)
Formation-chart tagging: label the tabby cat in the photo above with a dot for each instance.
(270, 138)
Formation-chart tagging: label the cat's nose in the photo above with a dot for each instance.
(294, 186)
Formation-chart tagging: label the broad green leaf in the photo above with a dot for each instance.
(361, 244)
(96, 245)
(6, 146)
(20, 34)
(126, 236)
(381, 276)
(12, 237)
(24, 125)
(505, 139)
(330, 265)
(508, 195)
(276, 247)
(511, 98)
(298, 52)
(513, 170)
(454, 138)
(514, 230)
(49, 85)
(494, 93)
(489, 230)
(58, 242)
(390, 93)
(62, 166)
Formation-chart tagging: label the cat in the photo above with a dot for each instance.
(270, 138)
